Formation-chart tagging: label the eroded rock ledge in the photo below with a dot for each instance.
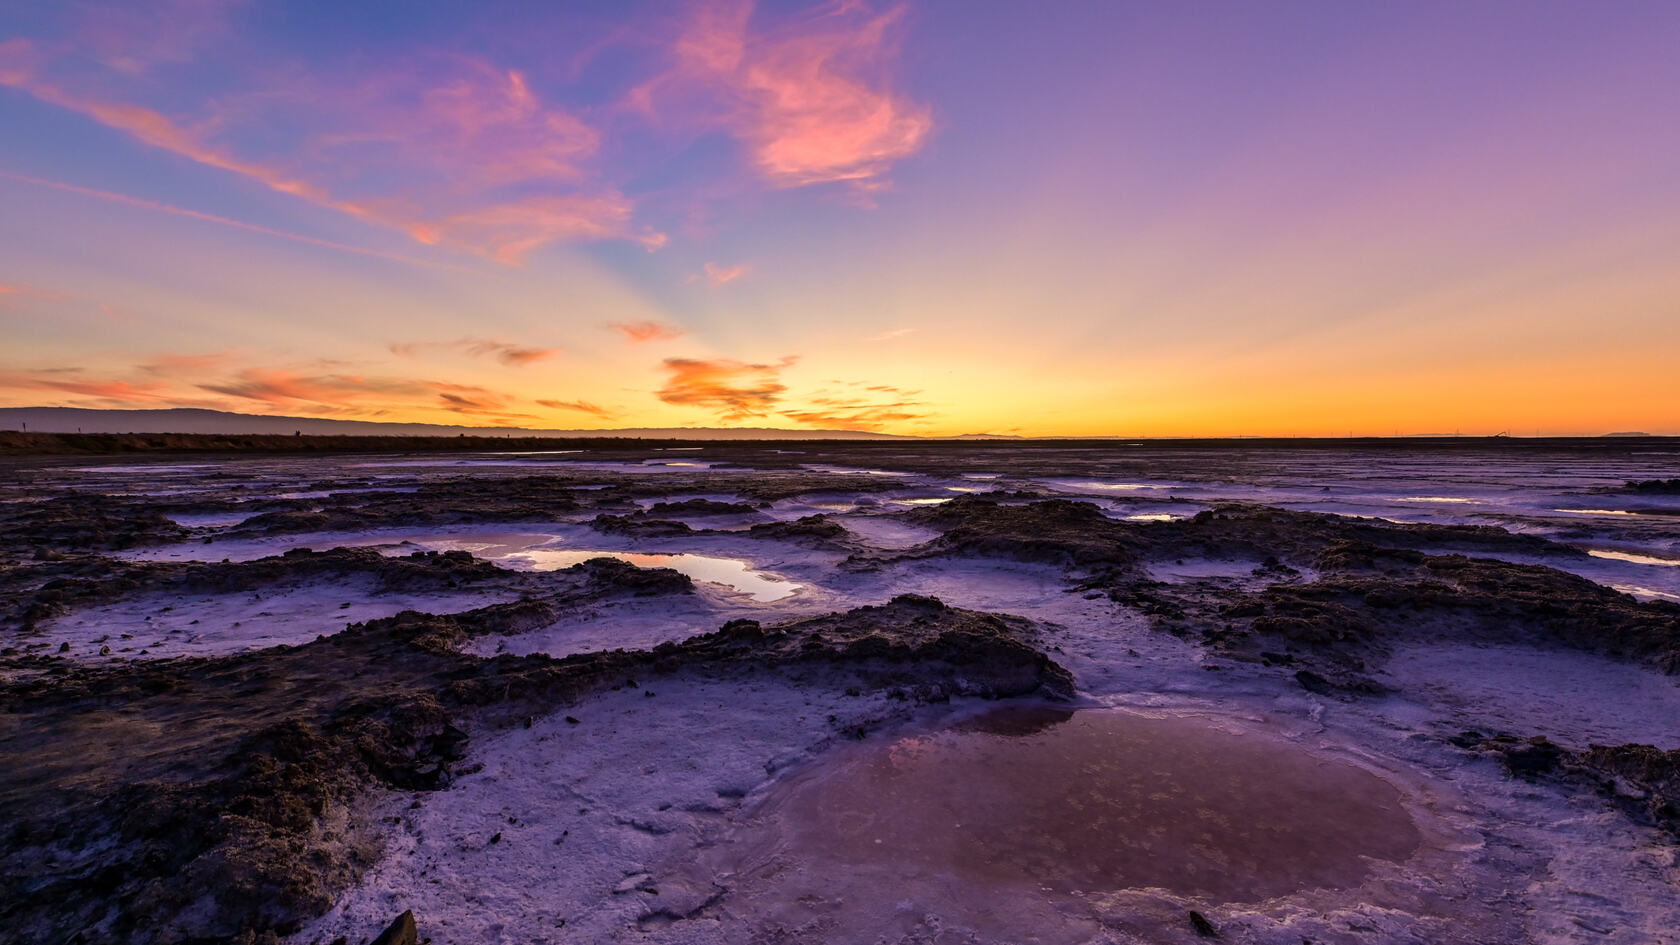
(200, 800)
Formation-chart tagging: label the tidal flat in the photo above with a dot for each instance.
(791, 692)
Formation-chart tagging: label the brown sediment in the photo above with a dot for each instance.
(1099, 800)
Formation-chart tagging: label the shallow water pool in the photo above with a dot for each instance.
(1099, 800)
(730, 572)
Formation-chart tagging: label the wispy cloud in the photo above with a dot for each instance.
(458, 152)
(176, 365)
(581, 406)
(639, 332)
(19, 292)
(154, 205)
(810, 97)
(871, 417)
(135, 38)
(73, 381)
(361, 395)
(733, 389)
(509, 354)
(890, 335)
(719, 274)
(211, 380)
(859, 406)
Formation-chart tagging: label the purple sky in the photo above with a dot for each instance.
(1071, 218)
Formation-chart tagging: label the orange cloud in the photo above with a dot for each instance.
(581, 406)
(869, 418)
(71, 381)
(889, 335)
(646, 331)
(177, 364)
(856, 409)
(732, 388)
(478, 402)
(509, 354)
(285, 389)
(809, 98)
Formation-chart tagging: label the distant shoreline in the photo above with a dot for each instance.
(17, 444)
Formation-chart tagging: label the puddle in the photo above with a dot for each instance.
(1595, 511)
(1153, 517)
(1088, 485)
(141, 470)
(730, 572)
(1632, 558)
(1443, 499)
(1648, 593)
(1093, 801)
(886, 533)
(841, 470)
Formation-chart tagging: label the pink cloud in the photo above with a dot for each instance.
(810, 98)
(718, 274)
(459, 153)
(640, 332)
(507, 232)
(733, 389)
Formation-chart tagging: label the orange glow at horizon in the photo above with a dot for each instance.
(876, 216)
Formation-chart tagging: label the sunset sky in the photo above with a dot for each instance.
(1097, 218)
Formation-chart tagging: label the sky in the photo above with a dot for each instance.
(938, 218)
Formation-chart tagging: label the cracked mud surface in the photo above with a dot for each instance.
(255, 699)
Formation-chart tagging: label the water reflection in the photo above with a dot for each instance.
(729, 572)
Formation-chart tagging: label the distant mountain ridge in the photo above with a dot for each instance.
(197, 420)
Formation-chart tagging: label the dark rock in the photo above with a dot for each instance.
(401, 931)
(1055, 531)
(1642, 780)
(1203, 927)
(1314, 683)
(811, 528)
(639, 527)
(1653, 487)
(1536, 756)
